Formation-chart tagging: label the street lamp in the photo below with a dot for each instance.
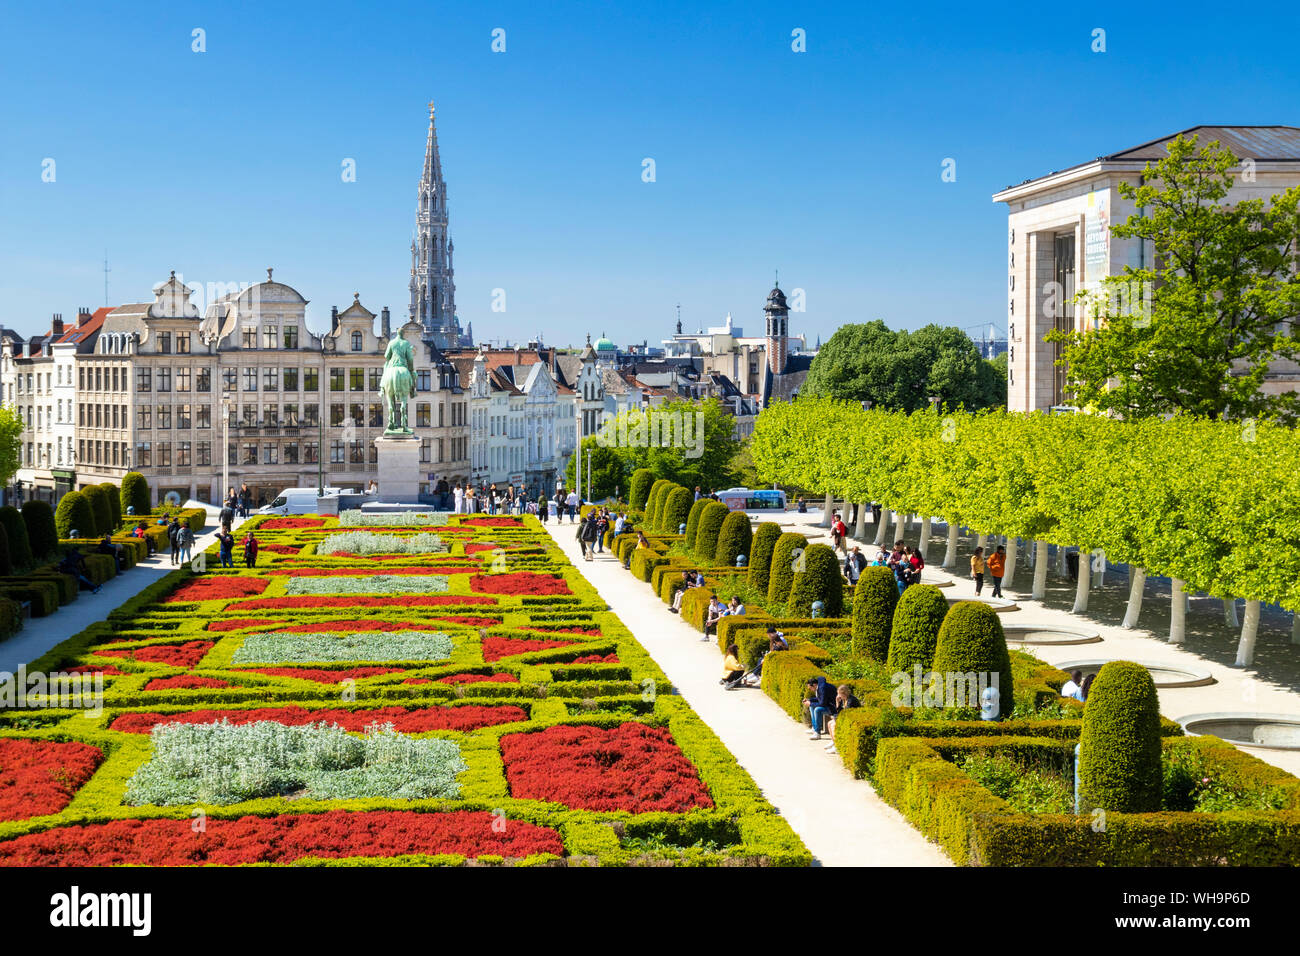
(225, 451)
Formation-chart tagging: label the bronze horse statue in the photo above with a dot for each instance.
(397, 385)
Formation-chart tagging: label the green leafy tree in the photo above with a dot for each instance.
(706, 532)
(699, 454)
(917, 618)
(817, 579)
(785, 557)
(1195, 329)
(114, 502)
(971, 640)
(608, 470)
(99, 507)
(11, 443)
(693, 520)
(677, 508)
(874, 598)
(760, 557)
(639, 488)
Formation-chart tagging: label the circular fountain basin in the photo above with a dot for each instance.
(1272, 731)
(998, 604)
(1163, 674)
(1050, 634)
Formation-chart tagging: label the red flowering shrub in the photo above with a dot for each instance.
(570, 629)
(495, 648)
(352, 625)
(476, 547)
(518, 582)
(185, 682)
(173, 655)
(596, 659)
(39, 777)
(470, 621)
(344, 600)
(236, 623)
(629, 767)
(501, 678)
(278, 548)
(497, 522)
(281, 839)
(211, 589)
(413, 721)
(289, 524)
(322, 676)
(108, 670)
(361, 572)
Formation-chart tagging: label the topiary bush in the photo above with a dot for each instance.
(638, 488)
(42, 532)
(100, 509)
(818, 580)
(760, 555)
(1119, 745)
(20, 548)
(706, 532)
(874, 599)
(781, 571)
(915, 632)
(74, 514)
(135, 494)
(971, 639)
(693, 521)
(6, 563)
(734, 538)
(677, 508)
(114, 502)
(654, 503)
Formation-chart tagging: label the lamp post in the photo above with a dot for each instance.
(577, 448)
(225, 451)
(320, 454)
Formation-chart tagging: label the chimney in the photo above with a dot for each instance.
(385, 322)
(83, 316)
(334, 318)
(56, 324)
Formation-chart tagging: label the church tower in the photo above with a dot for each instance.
(777, 313)
(433, 288)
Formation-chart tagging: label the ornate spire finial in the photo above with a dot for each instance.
(268, 274)
(173, 273)
(356, 296)
(777, 280)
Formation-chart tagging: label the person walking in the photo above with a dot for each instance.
(173, 533)
(226, 548)
(997, 564)
(185, 539)
(459, 496)
(573, 501)
(977, 569)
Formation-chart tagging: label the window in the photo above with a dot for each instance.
(426, 450)
(183, 378)
(422, 380)
(203, 454)
(336, 452)
(354, 414)
(164, 416)
(291, 380)
(163, 454)
(182, 453)
(250, 416)
(441, 414)
(81, 380)
(203, 381)
(291, 414)
(143, 380)
(143, 454)
(250, 341)
(271, 337)
(373, 453)
(291, 453)
(250, 453)
(356, 341)
(311, 380)
(229, 379)
(271, 454)
(99, 381)
(376, 417)
(270, 379)
(357, 452)
(183, 416)
(232, 454)
(250, 380)
(357, 379)
(423, 418)
(291, 336)
(144, 416)
(165, 343)
(336, 380)
(336, 414)
(182, 343)
(375, 375)
(311, 415)
(310, 453)
(164, 380)
(205, 416)
(270, 416)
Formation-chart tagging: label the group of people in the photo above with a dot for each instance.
(225, 537)
(735, 675)
(485, 499)
(823, 702)
(995, 565)
(1078, 686)
(592, 528)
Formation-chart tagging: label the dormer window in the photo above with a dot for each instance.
(356, 341)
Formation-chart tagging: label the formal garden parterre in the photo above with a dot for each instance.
(445, 690)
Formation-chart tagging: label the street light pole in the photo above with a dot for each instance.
(577, 448)
(225, 452)
(320, 454)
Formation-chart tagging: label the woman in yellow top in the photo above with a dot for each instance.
(732, 669)
(977, 569)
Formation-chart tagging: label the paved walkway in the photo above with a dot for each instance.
(840, 819)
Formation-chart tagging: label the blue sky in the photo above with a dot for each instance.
(824, 164)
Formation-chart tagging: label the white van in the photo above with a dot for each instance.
(296, 501)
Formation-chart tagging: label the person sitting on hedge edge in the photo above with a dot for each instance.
(106, 546)
(141, 532)
(775, 642)
(819, 701)
(688, 581)
(844, 699)
(734, 607)
(716, 613)
(73, 563)
(732, 670)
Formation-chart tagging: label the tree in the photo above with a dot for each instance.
(639, 488)
(11, 443)
(1194, 329)
(607, 471)
(699, 457)
(734, 539)
(676, 509)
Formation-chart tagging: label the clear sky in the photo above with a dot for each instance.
(824, 164)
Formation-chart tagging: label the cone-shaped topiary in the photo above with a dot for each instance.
(693, 521)
(114, 502)
(915, 632)
(99, 507)
(20, 548)
(781, 572)
(818, 579)
(136, 494)
(1119, 745)
(874, 598)
(760, 555)
(74, 514)
(654, 503)
(971, 641)
(42, 533)
(676, 509)
(6, 563)
(638, 490)
(706, 533)
(734, 539)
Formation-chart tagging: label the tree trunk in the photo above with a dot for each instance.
(1085, 579)
(826, 511)
(950, 556)
(1249, 631)
(1295, 627)
(1230, 612)
(881, 525)
(860, 526)
(1177, 613)
(1101, 567)
(900, 527)
(1137, 583)
(1040, 571)
(1062, 571)
(1012, 544)
(925, 535)
(982, 541)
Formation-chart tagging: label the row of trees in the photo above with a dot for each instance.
(1210, 504)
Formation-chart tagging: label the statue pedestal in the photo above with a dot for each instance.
(399, 469)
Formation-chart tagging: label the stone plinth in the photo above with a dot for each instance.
(399, 468)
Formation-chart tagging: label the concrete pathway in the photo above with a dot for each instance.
(840, 819)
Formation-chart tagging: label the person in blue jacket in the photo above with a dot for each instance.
(819, 702)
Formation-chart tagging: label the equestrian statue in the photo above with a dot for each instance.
(398, 385)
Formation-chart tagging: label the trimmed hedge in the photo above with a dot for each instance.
(971, 639)
(781, 570)
(819, 580)
(874, 598)
(638, 488)
(75, 514)
(100, 508)
(915, 633)
(135, 495)
(11, 617)
(1119, 746)
(734, 539)
(42, 531)
(644, 561)
(677, 508)
(760, 555)
(20, 548)
(6, 562)
(654, 503)
(114, 502)
(693, 521)
(706, 532)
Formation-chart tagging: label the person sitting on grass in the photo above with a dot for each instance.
(732, 670)
(844, 699)
(819, 702)
(73, 563)
(715, 614)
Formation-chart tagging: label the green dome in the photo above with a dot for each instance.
(605, 345)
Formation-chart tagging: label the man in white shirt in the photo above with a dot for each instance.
(1074, 686)
(572, 502)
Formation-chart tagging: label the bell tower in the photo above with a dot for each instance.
(777, 313)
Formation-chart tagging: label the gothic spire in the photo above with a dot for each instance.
(433, 288)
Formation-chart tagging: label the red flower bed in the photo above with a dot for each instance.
(278, 548)
(470, 679)
(570, 629)
(211, 589)
(362, 572)
(322, 676)
(351, 625)
(289, 524)
(596, 659)
(475, 548)
(39, 777)
(496, 522)
(108, 670)
(354, 601)
(495, 648)
(518, 582)
(174, 655)
(280, 839)
(414, 721)
(469, 621)
(629, 767)
(235, 623)
(185, 682)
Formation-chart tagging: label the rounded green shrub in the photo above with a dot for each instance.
(6, 563)
(760, 555)
(734, 539)
(818, 579)
(971, 640)
(654, 503)
(74, 514)
(693, 521)
(1119, 745)
(638, 490)
(874, 599)
(915, 632)
(20, 548)
(135, 494)
(706, 533)
(780, 574)
(677, 508)
(42, 532)
(99, 507)
(114, 502)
